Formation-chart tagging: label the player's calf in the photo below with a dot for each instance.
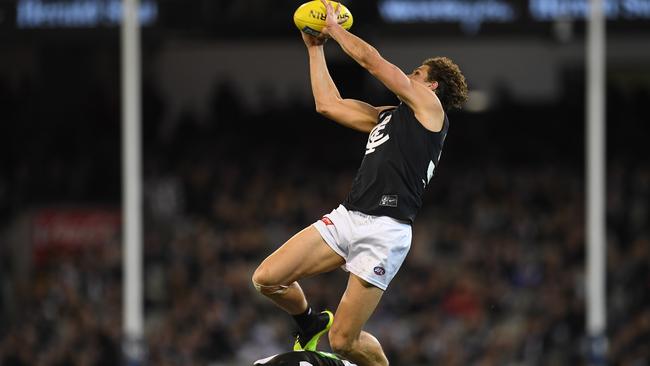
(341, 343)
(363, 349)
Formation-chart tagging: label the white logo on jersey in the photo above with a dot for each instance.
(432, 166)
(377, 136)
(430, 169)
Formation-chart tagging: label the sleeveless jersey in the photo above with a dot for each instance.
(400, 158)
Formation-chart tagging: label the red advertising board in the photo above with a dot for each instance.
(57, 231)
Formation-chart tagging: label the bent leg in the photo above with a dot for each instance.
(304, 255)
(346, 337)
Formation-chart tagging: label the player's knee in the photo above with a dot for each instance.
(341, 342)
(266, 284)
(261, 279)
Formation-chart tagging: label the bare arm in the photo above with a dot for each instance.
(351, 113)
(418, 96)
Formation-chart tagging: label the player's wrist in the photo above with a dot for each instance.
(334, 31)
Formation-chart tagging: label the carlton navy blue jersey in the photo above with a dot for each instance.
(401, 156)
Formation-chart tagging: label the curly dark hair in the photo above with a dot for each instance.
(452, 88)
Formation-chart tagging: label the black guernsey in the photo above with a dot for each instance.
(304, 358)
(401, 156)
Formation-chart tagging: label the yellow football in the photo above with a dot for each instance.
(310, 17)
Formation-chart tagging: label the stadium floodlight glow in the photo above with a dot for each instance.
(478, 101)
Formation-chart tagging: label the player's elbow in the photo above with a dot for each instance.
(322, 109)
(325, 112)
(325, 108)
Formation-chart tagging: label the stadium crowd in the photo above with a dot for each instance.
(494, 277)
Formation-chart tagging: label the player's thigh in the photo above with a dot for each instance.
(304, 255)
(357, 305)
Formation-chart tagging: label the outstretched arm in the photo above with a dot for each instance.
(416, 95)
(351, 113)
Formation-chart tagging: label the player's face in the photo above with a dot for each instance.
(420, 74)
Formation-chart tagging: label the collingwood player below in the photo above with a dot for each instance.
(304, 358)
(370, 233)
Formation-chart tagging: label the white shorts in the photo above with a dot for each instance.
(374, 247)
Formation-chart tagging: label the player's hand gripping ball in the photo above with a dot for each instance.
(310, 17)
